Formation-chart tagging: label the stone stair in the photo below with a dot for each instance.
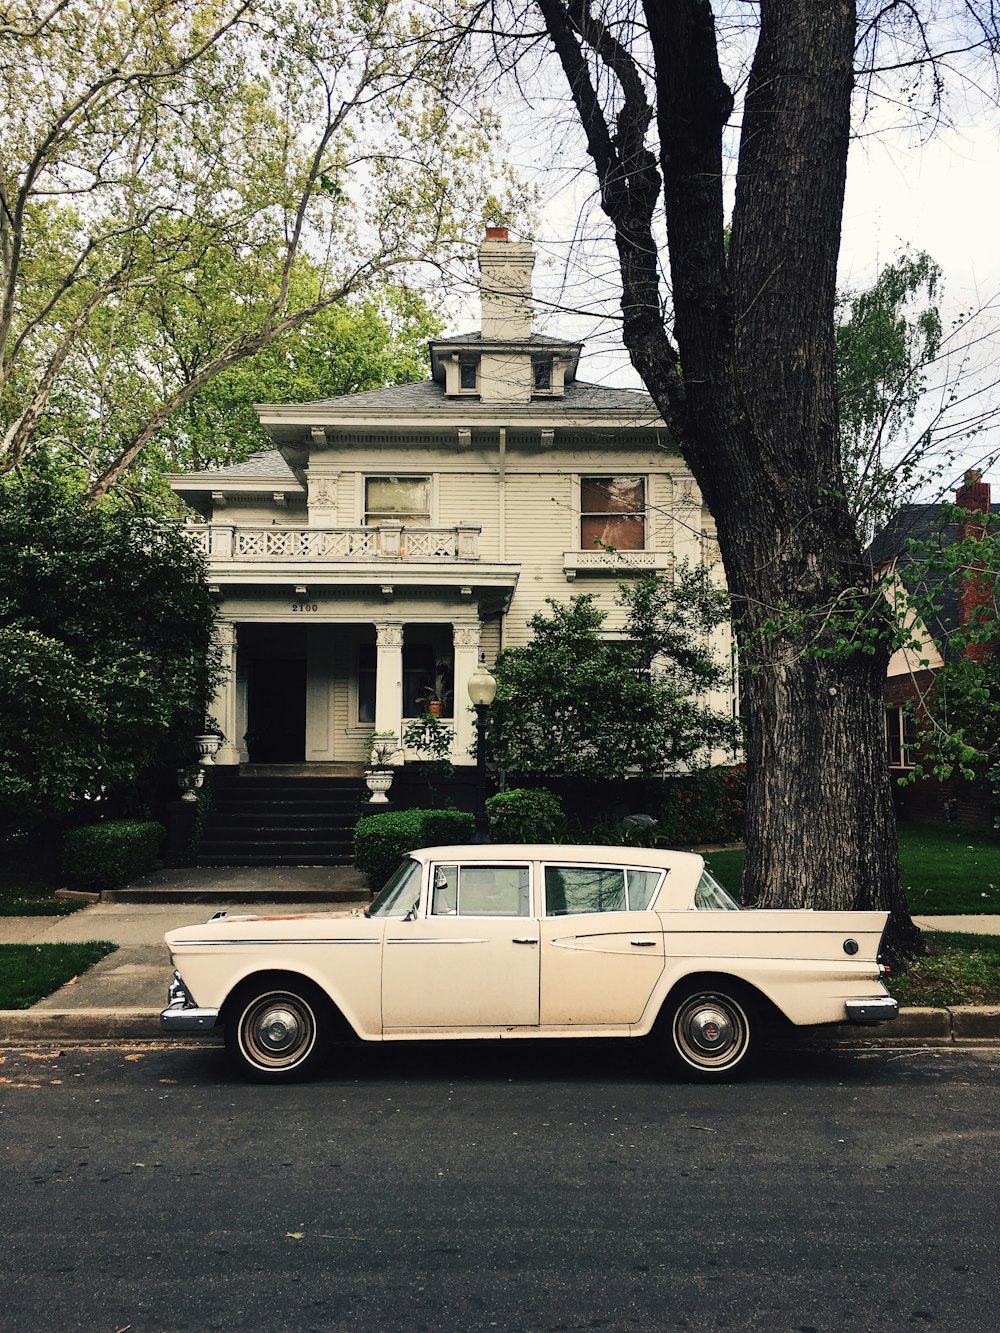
(258, 820)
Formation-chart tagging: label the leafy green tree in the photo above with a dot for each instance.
(576, 703)
(106, 666)
(182, 182)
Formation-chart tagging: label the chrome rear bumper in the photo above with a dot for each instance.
(876, 1010)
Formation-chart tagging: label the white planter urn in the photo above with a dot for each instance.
(379, 780)
(208, 747)
(189, 780)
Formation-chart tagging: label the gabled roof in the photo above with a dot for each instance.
(921, 523)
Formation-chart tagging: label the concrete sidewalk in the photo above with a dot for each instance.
(120, 997)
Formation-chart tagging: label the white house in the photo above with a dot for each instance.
(393, 536)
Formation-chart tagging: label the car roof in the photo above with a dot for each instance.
(653, 858)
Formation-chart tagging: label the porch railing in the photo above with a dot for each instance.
(388, 541)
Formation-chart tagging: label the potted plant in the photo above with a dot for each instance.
(437, 693)
(382, 745)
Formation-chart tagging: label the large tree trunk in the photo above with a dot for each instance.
(749, 389)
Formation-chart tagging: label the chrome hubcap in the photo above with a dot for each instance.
(711, 1031)
(277, 1031)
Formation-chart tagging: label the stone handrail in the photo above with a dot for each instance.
(387, 541)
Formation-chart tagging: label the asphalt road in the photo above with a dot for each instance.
(523, 1187)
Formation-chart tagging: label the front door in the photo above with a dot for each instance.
(471, 959)
(276, 711)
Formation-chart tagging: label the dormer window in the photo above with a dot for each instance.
(542, 370)
(468, 373)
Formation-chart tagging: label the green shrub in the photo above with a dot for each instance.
(109, 854)
(381, 841)
(525, 814)
(705, 806)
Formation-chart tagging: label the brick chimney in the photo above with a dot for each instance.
(975, 589)
(505, 375)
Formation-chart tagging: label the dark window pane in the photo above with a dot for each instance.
(612, 495)
(623, 532)
(892, 737)
(543, 374)
(467, 374)
(366, 683)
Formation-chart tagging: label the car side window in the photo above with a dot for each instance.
(480, 890)
(573, 889)
(642, 885)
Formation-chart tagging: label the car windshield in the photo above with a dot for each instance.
(401, 894)
(710, 896)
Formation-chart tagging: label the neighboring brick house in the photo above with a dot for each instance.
(388, 538)
(913, 671)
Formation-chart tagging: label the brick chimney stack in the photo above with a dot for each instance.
(975, 590)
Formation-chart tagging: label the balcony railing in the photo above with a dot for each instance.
(388, 541)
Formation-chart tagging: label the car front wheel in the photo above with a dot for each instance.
(275, 1034)
(708, 1034)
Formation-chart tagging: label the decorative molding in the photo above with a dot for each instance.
(225, 634)
(389, 636)
(464, 437)
(466, 636)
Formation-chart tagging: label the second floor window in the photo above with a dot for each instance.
(402, 499)
(900, 737)
(613, 513)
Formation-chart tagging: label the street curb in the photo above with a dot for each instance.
(967, 1025)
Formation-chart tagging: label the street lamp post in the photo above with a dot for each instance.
(482, 691)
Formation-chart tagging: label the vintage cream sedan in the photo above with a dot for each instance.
(528, 941)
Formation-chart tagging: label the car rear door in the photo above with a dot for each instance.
(601, 948)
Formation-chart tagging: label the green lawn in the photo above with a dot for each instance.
(29, 972)
(25, 904)
(946, 870)
(958, 969)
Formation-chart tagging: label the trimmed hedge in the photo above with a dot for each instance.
(526, 814)
(706, 806)
(110, 854)
(381, 841)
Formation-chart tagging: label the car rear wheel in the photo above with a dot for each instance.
(277, 1033)
(708, 1034)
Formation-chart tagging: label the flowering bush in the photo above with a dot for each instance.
(704, 806)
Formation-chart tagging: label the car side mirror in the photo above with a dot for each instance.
(411, 914)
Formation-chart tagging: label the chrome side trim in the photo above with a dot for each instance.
(347, 939)
(876, 1010)
(438, 940)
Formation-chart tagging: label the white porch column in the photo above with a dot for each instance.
(466, 639)
(389, 679)
(224, 704)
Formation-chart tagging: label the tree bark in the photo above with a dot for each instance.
(750, 392)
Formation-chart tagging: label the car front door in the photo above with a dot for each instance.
(470, 959)
(601, 948)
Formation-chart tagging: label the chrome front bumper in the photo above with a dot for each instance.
(876, 1010)
(182, 1014)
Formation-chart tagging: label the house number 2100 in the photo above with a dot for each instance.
(305, 606)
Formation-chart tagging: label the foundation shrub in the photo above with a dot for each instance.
(526, 814)
(110, 854)
(381, 841)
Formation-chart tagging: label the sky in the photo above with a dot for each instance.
(933, 187)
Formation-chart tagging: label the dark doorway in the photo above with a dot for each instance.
(276, 711)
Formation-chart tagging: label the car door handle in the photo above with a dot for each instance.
(523, 939)
(644, 944)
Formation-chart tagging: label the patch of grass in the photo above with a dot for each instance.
(949, 870)
(29, 972)
(957, 969)
(946, 870)
(16, 904)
